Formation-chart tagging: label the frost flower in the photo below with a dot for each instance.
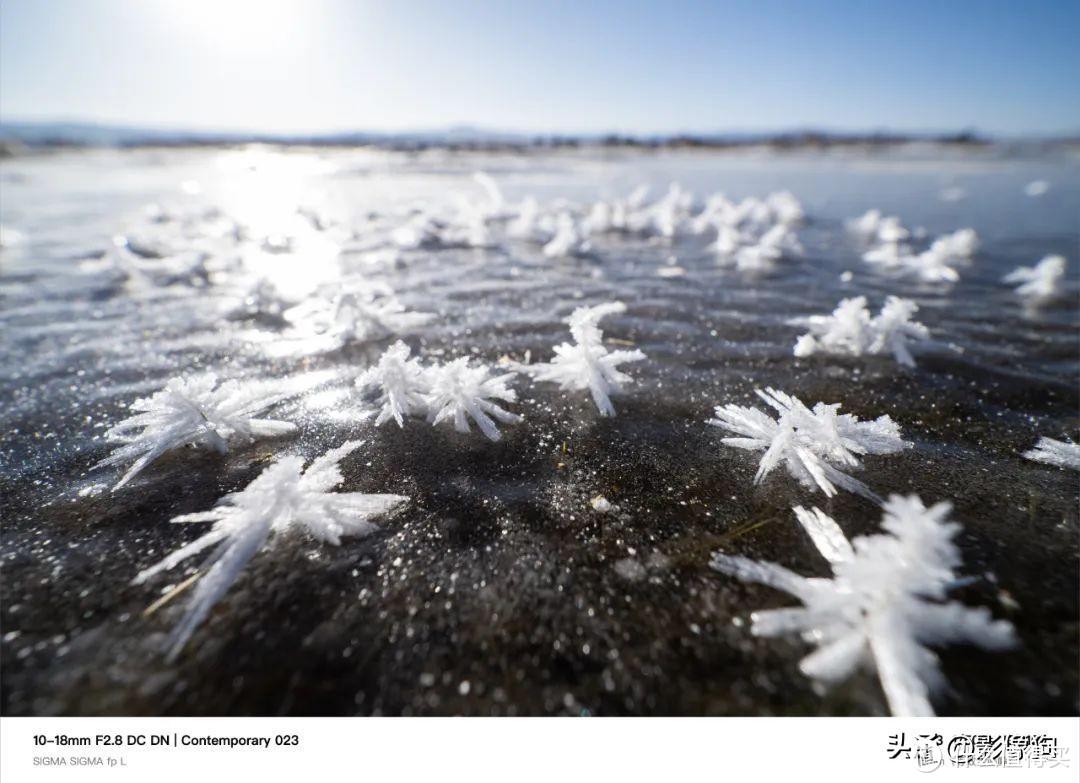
(930, 266)
(367, 311)
(459, 392)
(786, 208)
(893, 329)
(357, 317)
(526, 225)
(891, 249)
(851, 331)
(402, 384)
(569, 239)
(1038, 282)
(284, 496)
(758, 255)
(586, 363)
(885, 605)
(846, 331)
(812, 444)
(866, 225)
(959, 244)
(196, 412)
(1056, 452)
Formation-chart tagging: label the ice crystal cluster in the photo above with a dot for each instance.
(260, 299)
(885, 606)
(892, 249)
(1056, 452)
(850, 330)
(369, 312)
(814, 445)
(193, 412)
(189, 247)
(753, 234)
(1040, 282)
(401, 382)
(586, 363)
(460, 392)
(456, 392)
(283, 497)
(569, 239)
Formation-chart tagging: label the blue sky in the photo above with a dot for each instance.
(1001, 66)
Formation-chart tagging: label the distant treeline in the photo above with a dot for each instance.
(18, 138)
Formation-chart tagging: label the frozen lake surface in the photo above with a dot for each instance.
(500, 588)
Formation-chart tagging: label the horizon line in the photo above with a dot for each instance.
(808, 129)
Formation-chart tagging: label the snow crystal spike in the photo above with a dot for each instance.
(284, 496)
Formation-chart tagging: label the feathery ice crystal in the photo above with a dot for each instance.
(454, 391)
(1038, 282)
(885, 605)
(283, 496)
(586, 363)
(851, 331)
(1056, 452)
(356, 317)
(459, 392)
(367, 312)
(753, 235)
(962, 243)
(569, 239)
(891, 249)
(874, 227)
(810, 443)
(402, 385)
(197, 412)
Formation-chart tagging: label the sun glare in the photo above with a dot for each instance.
(240, 25)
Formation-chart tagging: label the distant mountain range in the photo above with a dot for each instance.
(44, 135)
